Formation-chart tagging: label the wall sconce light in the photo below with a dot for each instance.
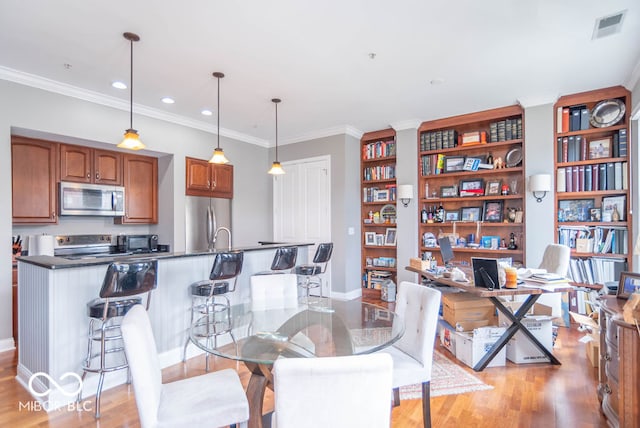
(540, 183)
(405, 193)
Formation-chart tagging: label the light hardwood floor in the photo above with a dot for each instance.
(528, 395)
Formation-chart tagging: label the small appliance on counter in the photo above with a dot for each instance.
(137, 243)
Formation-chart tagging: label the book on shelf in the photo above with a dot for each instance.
(584, 118)
(596, 270)
(565, 119)
(622, 143)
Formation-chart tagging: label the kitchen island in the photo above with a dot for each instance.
(53, 293)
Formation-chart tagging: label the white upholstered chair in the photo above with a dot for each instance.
(211, 400)
(348, 391)
(274, 291)
(412, 355)
(556, 259)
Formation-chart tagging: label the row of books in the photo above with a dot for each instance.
(431, 164)
(379, 149)
(576, 147)
(376, 194)
(505, 130)
(583, 301)
(375, 278)
(596, 270)
(588, 178)
(573, 118)
(596, 239)
(379, 172)
(438, 140)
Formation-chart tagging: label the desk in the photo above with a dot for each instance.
(320, 328)
(515, 318)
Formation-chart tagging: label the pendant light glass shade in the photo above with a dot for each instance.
(218, 154)
(131, 139)
(276, 168)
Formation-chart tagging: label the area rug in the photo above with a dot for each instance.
(446, 379)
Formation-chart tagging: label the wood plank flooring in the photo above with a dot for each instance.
(528, 395)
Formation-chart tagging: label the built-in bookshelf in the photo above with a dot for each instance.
(471, 185)
(593, 172)
(378, 207)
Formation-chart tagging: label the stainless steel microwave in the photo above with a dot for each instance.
(91, 199)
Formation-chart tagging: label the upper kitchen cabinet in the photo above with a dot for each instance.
(140, 175)
(87, 165)
(33, 180)
(208, 179)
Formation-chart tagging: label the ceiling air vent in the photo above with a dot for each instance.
(608, 25)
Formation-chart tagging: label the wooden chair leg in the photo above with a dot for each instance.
(426, 404)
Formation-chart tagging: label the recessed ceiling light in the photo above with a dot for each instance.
(206, 112)
(372, 55)
(168, 100)
(119, 85)
(437, 81)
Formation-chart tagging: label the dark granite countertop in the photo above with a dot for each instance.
(51, 262)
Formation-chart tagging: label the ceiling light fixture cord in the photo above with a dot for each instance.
(218, 77)
(277, 129)
(131, 86)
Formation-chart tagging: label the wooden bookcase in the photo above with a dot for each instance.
(583, 198)
(503, 130)
(378, 196)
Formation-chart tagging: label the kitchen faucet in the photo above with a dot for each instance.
(215, 236)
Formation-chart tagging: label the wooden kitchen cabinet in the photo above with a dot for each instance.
(33, 180)
(87, 165)
(207, 179)
(140, 175)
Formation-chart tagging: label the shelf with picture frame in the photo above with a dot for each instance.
(593, 172)
(377, 208)
(467, 180)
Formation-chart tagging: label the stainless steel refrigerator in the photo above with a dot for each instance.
(203, 216)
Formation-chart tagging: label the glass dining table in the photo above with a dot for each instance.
(319, 327)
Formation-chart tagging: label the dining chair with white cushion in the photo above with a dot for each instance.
(210, 400)
(412, 354)
(350, 391)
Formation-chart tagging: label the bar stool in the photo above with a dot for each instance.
(209, 297)
(284, 260)
(121, 282)
(308, 275)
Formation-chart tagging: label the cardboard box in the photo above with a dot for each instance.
(538, 321)
(462, 306)
(419, 264)
(593, 353)
(471, 347)
(447, 336)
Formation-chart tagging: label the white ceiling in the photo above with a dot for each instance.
(315, 56)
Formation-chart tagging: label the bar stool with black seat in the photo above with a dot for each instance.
(309, 275)
(283, 261)
(122, 288)
(209, 299)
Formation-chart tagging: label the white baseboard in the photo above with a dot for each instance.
(7, 344)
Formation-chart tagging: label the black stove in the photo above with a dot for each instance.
(77, 247)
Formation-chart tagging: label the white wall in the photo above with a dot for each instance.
(37, 111)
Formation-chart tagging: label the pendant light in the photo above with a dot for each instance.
(276, 168)
(218, 154)
(131, 138)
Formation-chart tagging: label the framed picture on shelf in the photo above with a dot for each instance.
(493, 187)
(611, 204)
(448, 191)
(381, 196)
(629, 284)
(453, 163)
(369, 238)
(474, 187)
(470, 213)
(575, 210)
(452, 215)
(493, 211)
(471, 164)
(600, 148)
(390, 236)
(595, 214)
(379, 239)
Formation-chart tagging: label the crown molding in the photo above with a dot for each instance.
(537, 100)
(406, 124)
(323, 133)
(49, 85)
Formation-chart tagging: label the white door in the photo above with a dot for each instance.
(302, 206)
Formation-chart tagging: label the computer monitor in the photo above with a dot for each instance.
(485, 273)
(445, 250)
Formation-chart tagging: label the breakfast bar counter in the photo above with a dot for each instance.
(53, 293)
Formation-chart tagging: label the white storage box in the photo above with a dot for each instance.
(471, 347)
(520, 349)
